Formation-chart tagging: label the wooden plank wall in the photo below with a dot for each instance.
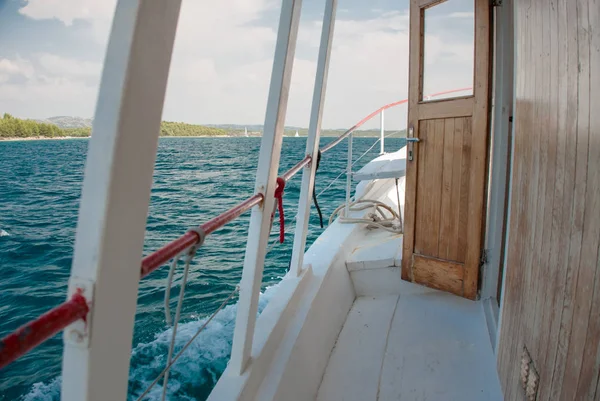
(552, 284)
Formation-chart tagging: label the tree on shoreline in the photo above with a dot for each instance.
(11, 127)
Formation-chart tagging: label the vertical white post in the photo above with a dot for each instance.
(349, 175)
(115, 197)
(382, 134)
(266, 175)
(314, 134)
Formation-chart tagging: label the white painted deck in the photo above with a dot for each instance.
(354, 331)
(421, 346)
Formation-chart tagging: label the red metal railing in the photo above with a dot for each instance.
(376, 112)
(294, 170)
(30, 335)
(35, 332)
(174, 248)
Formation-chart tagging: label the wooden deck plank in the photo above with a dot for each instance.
(558, 95)
(445, 242)
(435, 176)
(455, 195)
(588, 378)
(421, 206)
(479, 148)
(564, 375)
(463, 216)
(590, 237)
(546, 173)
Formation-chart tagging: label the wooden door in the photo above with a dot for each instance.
(447, 167)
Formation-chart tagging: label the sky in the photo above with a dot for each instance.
(52, 52)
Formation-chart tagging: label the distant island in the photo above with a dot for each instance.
(16, 128)
(76, 127)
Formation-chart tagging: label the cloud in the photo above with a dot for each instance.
(223, 58)
(48, 85)
(17, 69)
(68, 11)
(462, 14)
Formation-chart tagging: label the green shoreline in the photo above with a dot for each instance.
(15, 129)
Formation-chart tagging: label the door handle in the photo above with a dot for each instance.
(410, 141)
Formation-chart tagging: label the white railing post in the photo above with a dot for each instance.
(312, 142)
(382, 134)
(115, 197)
(349, 175)
(266, 175)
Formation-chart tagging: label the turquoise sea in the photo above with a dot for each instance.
(194, 179)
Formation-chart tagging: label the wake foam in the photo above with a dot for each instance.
(4, 233)
(192, 376)
(44, 392)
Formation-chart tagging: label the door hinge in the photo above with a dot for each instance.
(495, 3)
(483, 259)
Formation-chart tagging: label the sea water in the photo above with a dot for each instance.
(194, 180)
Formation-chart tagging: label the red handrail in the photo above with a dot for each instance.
(35, 332)
(294, 170)
(174, 248)
(373, 114)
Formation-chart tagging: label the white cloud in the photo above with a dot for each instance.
(223, 59)
(48, 85)
(70, 68)
(17, 68)
(68, 11)
(462, 14)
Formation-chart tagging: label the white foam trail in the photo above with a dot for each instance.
(44, 392)
(4, 233)
(201, 363)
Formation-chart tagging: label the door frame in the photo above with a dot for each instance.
(500, 165)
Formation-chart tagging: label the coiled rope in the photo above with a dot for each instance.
(375, 219)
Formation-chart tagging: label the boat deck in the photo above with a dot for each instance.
(420, 345)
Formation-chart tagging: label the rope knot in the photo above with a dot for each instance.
(279, 196)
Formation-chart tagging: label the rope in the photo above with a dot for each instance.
(375, 219)
(279, 197)
(274, 243)
(168, 289)
(314, 194)
(178, 355)
(201, 238)
(188, 260)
